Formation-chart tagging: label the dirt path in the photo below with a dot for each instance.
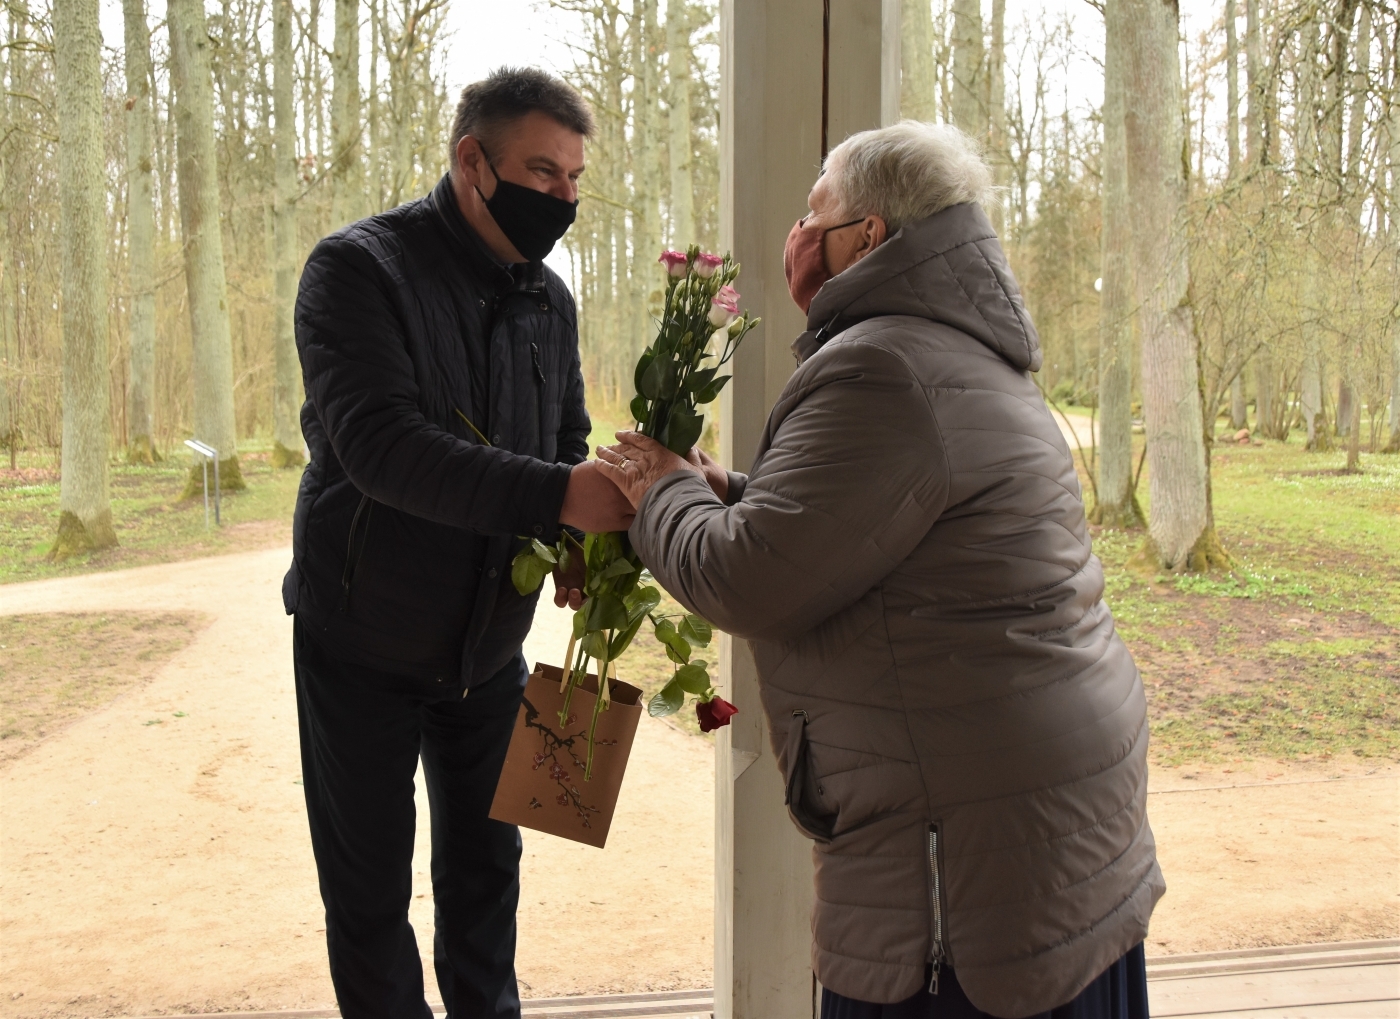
(166, 867)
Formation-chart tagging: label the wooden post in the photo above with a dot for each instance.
(771, 70)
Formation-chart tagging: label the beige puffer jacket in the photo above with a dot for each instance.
(964, 733)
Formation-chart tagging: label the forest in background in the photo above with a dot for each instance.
(211, 149)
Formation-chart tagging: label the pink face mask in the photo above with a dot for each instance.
(804, 261)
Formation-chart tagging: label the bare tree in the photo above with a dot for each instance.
(1391, 195)
(682, 206)
(1254, 83)
(1181, 528)
(85, 514)
(996, 110)
(286, 397)
(1239, 412)
(203, 241)
(918, 86)
(1116, 505)
(347, 153)
(969, 68)
(646, 146)
(141, 231)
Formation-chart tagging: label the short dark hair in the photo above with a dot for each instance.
(509, 93)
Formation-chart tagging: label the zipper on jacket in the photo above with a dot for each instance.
(535, 357)
(352, 554)
(539, 393)
(939, 953)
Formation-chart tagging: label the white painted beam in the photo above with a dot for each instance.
(771, 121)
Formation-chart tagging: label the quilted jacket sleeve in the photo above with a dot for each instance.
(853, 477)
(360, 381)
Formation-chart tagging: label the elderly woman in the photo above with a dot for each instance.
(962, 731)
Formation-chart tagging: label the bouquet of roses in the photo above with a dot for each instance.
(701, 327)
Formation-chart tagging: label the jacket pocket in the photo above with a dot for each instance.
(354, 549)
(802, 790)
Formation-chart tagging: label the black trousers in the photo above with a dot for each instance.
(362, 733)
(1119, 992)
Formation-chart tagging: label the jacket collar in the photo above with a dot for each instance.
(527, 277)
(948, 268)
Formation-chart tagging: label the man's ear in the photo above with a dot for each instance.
(470, 160)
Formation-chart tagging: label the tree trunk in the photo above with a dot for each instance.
(203, 241)
(85, 514)
(682, 149)
(1346, 396)
(1354, 446)
(1311, 167)
(1239, 408)
(1116, 505)
(1355, 187)
(1393, 444)
(1232, 90)
(1181, 529)
(996, 111)
(9, 433)
(1264, 391)
(969, 67)
(918, 78)
(347, 170)
(141, 229)
(646, 138)
(1254, 82)
(286, 395)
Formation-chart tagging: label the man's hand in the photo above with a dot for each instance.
(716, 475)
(593, 503)
(568, 582)
(636, 463)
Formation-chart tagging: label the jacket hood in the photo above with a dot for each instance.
(948, 268)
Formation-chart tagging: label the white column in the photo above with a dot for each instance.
(770, 151)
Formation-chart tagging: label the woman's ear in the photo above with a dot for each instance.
(843, 248)
(870, 235)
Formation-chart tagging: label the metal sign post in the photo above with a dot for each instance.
(206, 454)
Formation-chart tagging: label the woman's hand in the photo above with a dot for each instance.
(636, 463)
(716, 475)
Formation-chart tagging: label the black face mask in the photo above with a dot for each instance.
(531, 220)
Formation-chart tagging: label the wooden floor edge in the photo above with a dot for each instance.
(597, 1006)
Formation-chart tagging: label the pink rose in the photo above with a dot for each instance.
(707, 265)
(675, 262)
(714, 713)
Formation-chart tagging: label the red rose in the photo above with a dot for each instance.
(714, 713)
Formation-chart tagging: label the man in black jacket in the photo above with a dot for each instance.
(445, 418)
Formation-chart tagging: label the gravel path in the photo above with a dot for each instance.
(160, 863)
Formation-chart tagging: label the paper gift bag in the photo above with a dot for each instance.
(542, 784)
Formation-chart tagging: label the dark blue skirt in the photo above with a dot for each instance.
(1120, 992)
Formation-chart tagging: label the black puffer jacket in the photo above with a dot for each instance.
(406, 522)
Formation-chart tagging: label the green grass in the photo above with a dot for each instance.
(1293, 652)
(152, 523)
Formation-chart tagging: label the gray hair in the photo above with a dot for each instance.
(907, 172)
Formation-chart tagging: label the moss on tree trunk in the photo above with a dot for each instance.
(284, 457)
(76, 539)
(230, 479)
(143, 451)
